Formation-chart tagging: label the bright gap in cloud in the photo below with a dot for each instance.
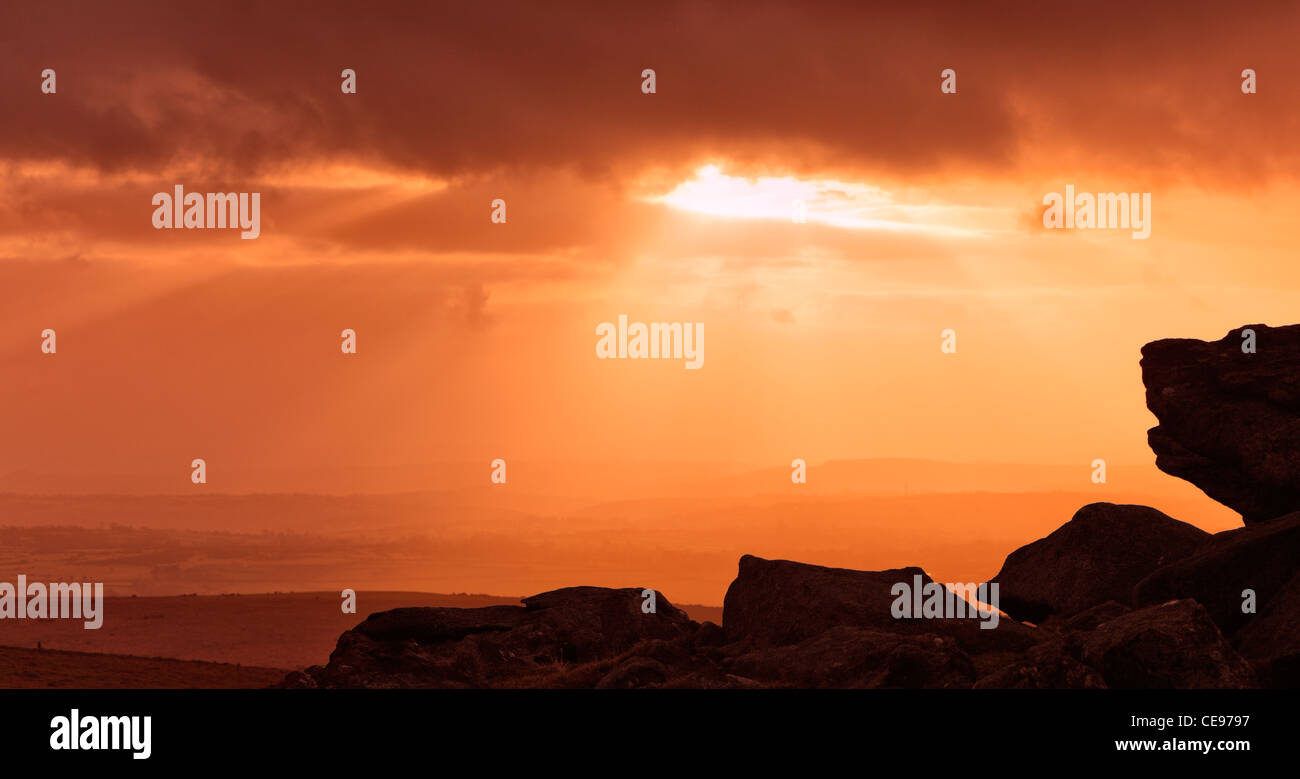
(841, 204)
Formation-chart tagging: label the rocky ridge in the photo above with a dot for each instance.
(1120, 596)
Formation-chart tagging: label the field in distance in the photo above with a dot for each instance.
(275, 630)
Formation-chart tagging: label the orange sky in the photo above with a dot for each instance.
(477, 340)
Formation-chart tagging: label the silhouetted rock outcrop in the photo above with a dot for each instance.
(1262, 558)
(780, 602)
(787, 625)
(447, 647)
(1095, 557)
(591, 637)
(1271, 639)
(432, 625)
(1229, 420)
(1173, 645)
(1127, 596)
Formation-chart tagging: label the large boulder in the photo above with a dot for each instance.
(1095, 557)
(1173, 645)
(780, 602)
(1271, 639)
(587, 623)
(1261, 557)
(1230, 420)
(497, 645)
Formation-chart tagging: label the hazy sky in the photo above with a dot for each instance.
(477, 340)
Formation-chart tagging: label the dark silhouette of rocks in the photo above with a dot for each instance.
(1262, 558)
(1095, 557)
(1123, 596)
(591, 637)
(595, 637)
(1271, 639)
(431, 625)
(1230, 421)
(1048, 666)
(1092, 618)
(1173, 645)
(779, 602)
(635, 673)
(447, 647)
(858, 658)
